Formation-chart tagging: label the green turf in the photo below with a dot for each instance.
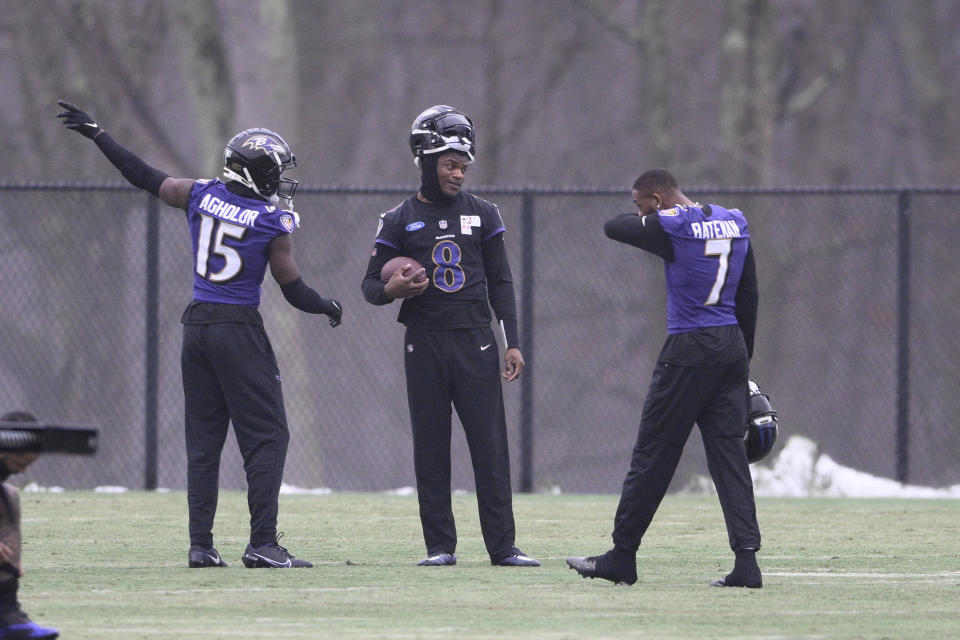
(113, 566)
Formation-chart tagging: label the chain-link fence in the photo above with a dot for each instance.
(857, 341)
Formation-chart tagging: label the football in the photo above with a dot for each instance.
(395, 264)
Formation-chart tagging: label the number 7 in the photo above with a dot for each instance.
(719, 247)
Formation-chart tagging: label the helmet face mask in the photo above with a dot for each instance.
(257, 158)
(762, 424)
(442, 128)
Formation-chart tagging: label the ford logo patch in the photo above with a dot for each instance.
(413, 226)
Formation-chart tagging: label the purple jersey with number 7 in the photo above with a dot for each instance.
(709, 247)
(230, 235)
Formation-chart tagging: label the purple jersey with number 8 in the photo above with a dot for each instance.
(709, 247)
(230, 235)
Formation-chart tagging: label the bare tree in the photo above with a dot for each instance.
(206, 77)
(747, 92)
(934, 123)
(648, 37)
(738, 91)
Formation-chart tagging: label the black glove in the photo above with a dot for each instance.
(79, 121)
(335, 316)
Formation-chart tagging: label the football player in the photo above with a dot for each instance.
(700, 376)
(14, 623)
(239, 225)
(450, 352)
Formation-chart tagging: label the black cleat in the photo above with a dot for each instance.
(17, 625)
(200, 557)
(438, 560)
(604, 567)
(271, 556)
(517, 558)
(746, 572)
(733, 579)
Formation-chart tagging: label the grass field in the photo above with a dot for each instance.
(113, 566)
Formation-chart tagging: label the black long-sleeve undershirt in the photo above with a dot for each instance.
(500, 288)
(747, 300)
(136, 171)
(644, 232)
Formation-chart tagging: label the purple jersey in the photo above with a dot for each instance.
(709, 247)
(230, 235)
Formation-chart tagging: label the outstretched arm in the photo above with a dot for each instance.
(173, 191)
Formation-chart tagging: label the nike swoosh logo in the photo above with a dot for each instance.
(273, 563)
(484, 347)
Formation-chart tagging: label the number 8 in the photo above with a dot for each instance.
(448, 276)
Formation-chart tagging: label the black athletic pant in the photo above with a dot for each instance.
(716, 398)
(230, 374)
(462, 367)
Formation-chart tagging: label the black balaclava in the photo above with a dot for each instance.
(430, 181)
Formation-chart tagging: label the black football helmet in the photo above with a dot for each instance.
(257, 158)
(761, 431)
(440, 128)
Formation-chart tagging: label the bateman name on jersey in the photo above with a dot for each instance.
(715, 229)
(226, 211)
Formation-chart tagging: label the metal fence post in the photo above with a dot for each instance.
(151, 359)
(526, 332)
(903, 336)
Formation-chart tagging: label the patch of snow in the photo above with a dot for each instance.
(110, 489)
(402, 491)
(799, 470)
(290, 489)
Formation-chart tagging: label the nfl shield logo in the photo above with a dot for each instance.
(443, 224)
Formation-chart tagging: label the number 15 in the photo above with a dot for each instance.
(232, 262)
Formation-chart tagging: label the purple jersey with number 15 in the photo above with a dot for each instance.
(230, 235)
(709, 247)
